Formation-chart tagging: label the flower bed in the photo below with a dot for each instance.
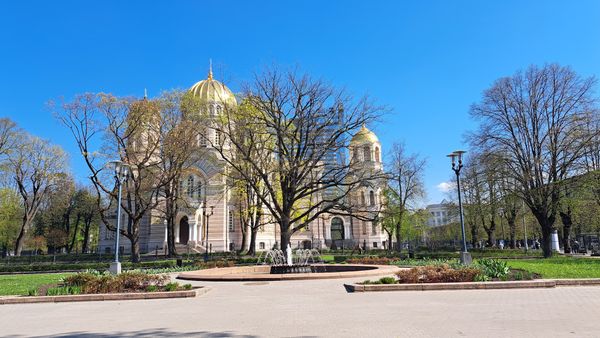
(482, 271)
(97, 283)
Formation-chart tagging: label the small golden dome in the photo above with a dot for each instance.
(364, 135)
(211, 90)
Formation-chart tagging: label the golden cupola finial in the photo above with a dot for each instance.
(210, 75)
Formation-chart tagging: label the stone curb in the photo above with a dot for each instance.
(261, 273)
(104, 297)
(542, 283)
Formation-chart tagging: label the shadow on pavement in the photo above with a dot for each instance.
(146, 333)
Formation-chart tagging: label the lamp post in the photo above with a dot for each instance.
(121, 172)
(456, 157)
(206, 217)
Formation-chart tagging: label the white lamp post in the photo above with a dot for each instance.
(121, 173)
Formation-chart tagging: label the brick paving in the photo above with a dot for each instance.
(319, 308)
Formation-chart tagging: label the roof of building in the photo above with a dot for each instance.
(211, 90)
(364, 135)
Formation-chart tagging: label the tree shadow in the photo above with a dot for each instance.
(145, 333)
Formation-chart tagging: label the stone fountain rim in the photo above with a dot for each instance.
(262, 273)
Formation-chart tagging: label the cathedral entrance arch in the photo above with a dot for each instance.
(337, 232)
(184, 230)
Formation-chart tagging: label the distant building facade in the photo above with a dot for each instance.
(441, 214)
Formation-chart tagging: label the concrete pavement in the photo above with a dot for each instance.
(319, 308)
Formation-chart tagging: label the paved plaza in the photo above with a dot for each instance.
(319, 308)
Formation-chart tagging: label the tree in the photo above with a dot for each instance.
(11, 213)
(36, 167)
(128, 130)
(297, 126)
(536, 119)
(180, 148)
(8, 130)
(405, 185)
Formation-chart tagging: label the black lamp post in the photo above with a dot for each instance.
(456, 156)
(206, 217)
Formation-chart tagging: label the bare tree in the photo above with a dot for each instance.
(36, 166)
(406, 184)
(286, 130)
(128, 130)
(535, 119)
(8, 130)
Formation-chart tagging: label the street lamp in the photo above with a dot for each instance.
(456, 157)
(206, 217)
(121, 172)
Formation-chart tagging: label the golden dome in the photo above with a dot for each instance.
(211, 90)
(364, 135)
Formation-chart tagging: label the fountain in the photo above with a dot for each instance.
(299, 262)
(277, 265)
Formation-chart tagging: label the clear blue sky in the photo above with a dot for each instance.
(427, 60)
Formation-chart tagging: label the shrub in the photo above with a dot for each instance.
(387, 280)
(437, 274)
(130, 281)
(493, 268)
(172, 286)
(32, 292)
(152, 288)
(187, 286)
(63, 290)
(371, 260)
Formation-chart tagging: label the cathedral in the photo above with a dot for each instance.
(209, 220)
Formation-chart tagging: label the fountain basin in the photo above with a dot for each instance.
(263, 272)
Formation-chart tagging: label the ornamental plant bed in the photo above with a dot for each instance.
(104, 283)
(482, 271)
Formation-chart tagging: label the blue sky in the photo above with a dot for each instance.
(428, 61)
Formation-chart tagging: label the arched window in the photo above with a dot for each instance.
(377, 158)
(374, 228)
(190, 186)
(364, 227)
(367, 153)
(217, 137)
(362, 198)
(356, 154)
(371, 198)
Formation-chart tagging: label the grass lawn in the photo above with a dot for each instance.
(560, 267)
(20, 284)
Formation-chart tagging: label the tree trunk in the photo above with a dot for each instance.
(244, 244)
(171, 251)
(399, 236)
(86, 234)
(474, 237)
(567, 222)
(285, 237)
(22, 232)
(512, 228)
(491, 236)
(74, 238)
(546, 223)
(252, 247)
(135, 249)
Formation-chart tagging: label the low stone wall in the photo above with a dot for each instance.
(541, 283)
(103, 297)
